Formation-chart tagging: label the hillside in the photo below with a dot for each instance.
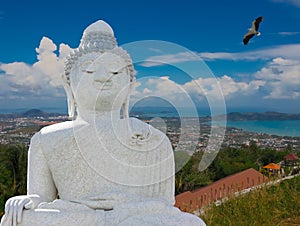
(275, 205)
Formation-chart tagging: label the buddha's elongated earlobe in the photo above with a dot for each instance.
(71, 105)
(125, 105)
(125, 108)
(70, 97)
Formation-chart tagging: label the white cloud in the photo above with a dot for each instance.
(223, 87)
(163, 88)
(147, 91)
(161, 85)
(170, 59)
(290, 51)
(155, 50)
(49, 64)
(288, 33)
(282, 77)
(277, 80)
(40, 80)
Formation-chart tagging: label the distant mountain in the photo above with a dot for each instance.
(233, 116)
(35, 113)
(254, 116)
(32, 113)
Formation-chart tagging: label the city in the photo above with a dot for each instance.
(186, 134)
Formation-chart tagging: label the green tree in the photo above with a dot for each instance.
(13, 170)
(189, 177)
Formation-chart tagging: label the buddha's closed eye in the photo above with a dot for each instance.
(89, 71)
(85, 65)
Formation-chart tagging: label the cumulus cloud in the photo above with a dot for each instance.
(211, 89)
(42, 79)
(282, 78)
(162, 88)
(278, 79)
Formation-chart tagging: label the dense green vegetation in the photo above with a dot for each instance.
(275, 205)
(13, 170)
(227, 162)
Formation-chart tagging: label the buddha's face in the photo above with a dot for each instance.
(100, 82)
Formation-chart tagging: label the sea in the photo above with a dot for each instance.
(289, 128)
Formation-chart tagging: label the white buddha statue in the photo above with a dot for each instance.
(100, 168)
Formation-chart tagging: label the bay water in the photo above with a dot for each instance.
(280, 128)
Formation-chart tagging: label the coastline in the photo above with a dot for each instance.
(272, 123)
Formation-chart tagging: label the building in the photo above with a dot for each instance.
(191, 201)
(290, 159)
(273, 168)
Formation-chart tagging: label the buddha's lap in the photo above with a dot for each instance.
(92, 217)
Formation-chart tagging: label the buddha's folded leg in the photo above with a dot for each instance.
(146, 213)
(152, 213)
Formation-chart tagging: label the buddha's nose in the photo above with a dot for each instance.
(102, 75)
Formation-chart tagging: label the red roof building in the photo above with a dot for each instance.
(290, 159)
(195, 200)
(291, 156)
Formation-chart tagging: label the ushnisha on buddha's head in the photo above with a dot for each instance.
(98, 70)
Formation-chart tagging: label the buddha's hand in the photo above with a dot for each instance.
(14, 208)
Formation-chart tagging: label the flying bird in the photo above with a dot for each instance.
(253, 30)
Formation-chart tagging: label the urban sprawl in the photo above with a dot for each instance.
(185, 134)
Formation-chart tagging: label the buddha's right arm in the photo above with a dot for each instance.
(39, 177)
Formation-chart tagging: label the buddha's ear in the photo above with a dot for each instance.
(70, 97)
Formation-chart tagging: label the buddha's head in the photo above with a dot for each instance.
(99, 75)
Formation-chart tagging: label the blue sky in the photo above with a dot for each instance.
(262, 76)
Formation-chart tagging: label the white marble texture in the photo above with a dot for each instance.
(100, 168)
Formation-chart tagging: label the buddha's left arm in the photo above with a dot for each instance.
(39, 177)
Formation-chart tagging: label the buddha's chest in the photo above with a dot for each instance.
(92, 156)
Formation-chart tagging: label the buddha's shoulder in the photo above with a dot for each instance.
(55, 131)
(56, 134)
(62, 127)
